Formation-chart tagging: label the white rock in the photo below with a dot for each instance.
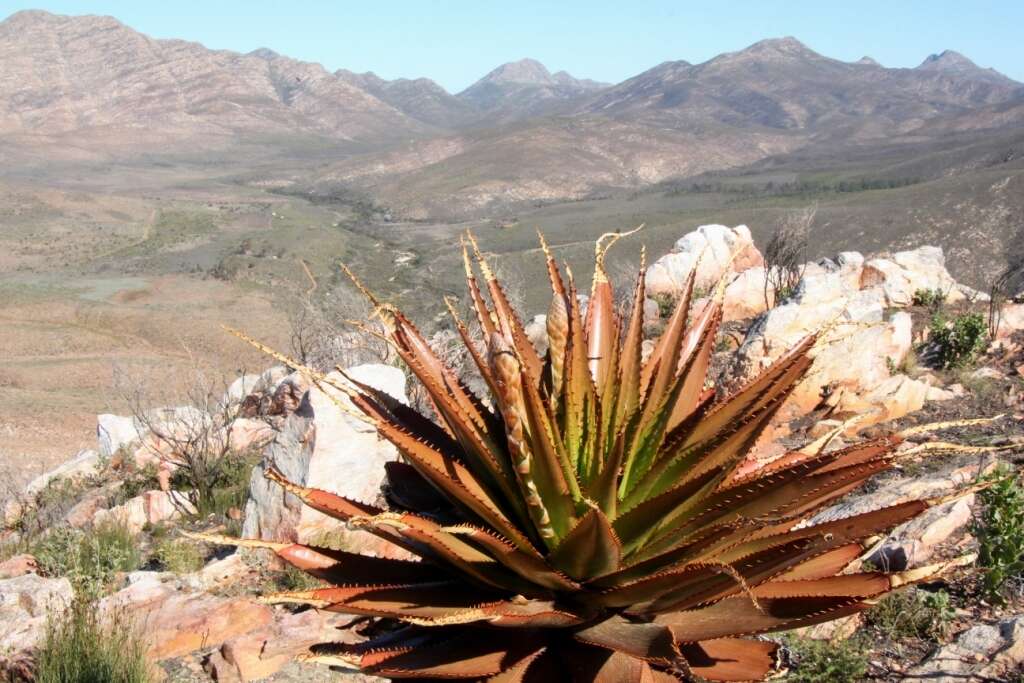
(745, 295)
(264, 382)
(85, 464)
(25, 602)
(710, 248)
(150, 507)
(984, 652)
(322, 447)
(909, 271)
(114, 432)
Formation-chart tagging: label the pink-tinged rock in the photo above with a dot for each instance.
(150, 507)
(178, 622)
(1011, 320)
(262, 653)
(322, 446)
(249, 433)
(713, 249)
(18, 565)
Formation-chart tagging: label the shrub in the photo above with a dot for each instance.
(1000, 533)
(932, 299)
(79, 646)
(89, 559)
(958, 342)
(178, 556)
(819, 661)
(913, 614)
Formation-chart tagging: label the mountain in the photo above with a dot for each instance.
(87, 89)
(783, 84)
(525, 88)
(104, 82)
(776, 97)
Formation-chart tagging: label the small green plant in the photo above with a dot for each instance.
(820, 661)
(89, 559)
(932, 299)
(958, 342)
(81, 646)
(1000, 533)
(913, 613)
(178, 556)
(292, 579)
(666, 304)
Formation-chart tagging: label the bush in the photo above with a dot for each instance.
(178, 556)
(89, 559)
(79, 648)
(819, 661)
(932, 299)
(957, 343)
(913, 613)
(1000, 533)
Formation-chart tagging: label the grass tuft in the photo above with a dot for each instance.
(80, 646)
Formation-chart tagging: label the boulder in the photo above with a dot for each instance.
(713, 249)
(745, 295)
(150, 507)
(18, 565)
(179, 621)
(909, 271)
(1011, 319)
(25, 602)
(913, 544)
(262, 652)
(323, 445)
(220, 573)
(853, 357)
(985, 652)
(85, 464)
(114, 432)
(246, 385)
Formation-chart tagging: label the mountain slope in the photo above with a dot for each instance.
(785, 85)
(65, 74)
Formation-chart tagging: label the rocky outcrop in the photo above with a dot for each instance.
(907, 272)
(264, 651)
(86, 463)
(323, 445)
(713, 250)
(985, 652)
(148, 508)
(25, 602)
(178, 621)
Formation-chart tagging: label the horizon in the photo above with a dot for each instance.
(440, 43)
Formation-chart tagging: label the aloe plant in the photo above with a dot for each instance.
(593, 520)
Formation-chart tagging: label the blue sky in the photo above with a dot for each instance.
(456, 42)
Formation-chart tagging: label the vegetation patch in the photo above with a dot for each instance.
(83, 646)
(999, 529)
